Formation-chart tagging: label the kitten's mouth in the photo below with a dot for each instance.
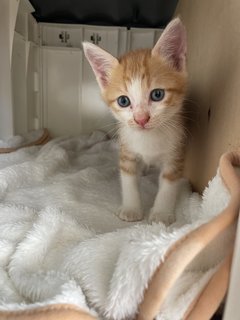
(140, 126)
(145, 127)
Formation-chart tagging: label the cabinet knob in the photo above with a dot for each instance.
(64, 36)
(95, 38)
(61, 36)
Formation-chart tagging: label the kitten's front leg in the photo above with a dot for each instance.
(164, 204)
(131, 204)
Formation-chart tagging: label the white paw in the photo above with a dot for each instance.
(128, 214)
(165, 217)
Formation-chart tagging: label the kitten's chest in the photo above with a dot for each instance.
(152, 147)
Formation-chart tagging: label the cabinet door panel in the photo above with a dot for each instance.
(62, 78)
(61, 35)
(141, 38)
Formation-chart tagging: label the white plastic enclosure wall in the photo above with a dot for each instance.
(53, 85)
(25, 69)
(45, 81)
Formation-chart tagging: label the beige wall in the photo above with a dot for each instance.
(213, 28)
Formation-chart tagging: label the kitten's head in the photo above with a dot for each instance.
(144, 88)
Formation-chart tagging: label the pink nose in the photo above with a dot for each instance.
(142, 121)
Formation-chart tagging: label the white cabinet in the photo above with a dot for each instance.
(74, 94)
(53, 85)
(31, 55)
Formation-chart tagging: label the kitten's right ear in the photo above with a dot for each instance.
(101, 62)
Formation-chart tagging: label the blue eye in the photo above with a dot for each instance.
(157, 94)
(123, 101)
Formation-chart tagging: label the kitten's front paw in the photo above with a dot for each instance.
(165, 217)
(128, 214)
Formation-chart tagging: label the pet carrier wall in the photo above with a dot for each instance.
(46, 82)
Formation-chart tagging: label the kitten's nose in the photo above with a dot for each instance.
(142, 120)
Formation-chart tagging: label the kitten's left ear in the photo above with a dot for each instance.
(172, 44)
(101, 62)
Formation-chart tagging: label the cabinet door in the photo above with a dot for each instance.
(62, 78)
(61, 35)
(95, 113)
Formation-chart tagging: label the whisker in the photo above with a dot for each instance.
(111, 133)
(109, 124)
(110, 128)
(116, 135)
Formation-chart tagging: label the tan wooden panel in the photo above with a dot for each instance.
(213, 29)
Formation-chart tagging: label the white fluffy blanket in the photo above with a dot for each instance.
(60, 241)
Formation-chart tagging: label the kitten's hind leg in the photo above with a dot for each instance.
(165, 201)
(131, 204)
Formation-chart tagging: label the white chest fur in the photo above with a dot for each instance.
(153, 146)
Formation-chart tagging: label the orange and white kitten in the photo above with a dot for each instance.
(145, 90)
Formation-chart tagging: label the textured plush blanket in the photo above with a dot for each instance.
(60, 241)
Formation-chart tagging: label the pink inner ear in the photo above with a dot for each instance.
(101, 62)
(99, 66)
(175, 50)
(172, 44)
